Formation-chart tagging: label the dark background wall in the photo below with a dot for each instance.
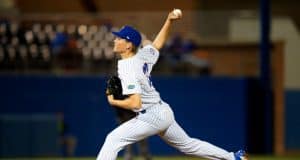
(224, 111)
(212, 109)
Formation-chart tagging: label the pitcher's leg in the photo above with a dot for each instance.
(127, 133)
(176, 137)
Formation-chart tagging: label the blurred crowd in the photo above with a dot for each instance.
(72, 48)
(180, 54)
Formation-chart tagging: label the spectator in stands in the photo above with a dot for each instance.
(59, 42)
(174, 50)
(201, 65)
(65, 52)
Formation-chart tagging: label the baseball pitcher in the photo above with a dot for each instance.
(154, 116)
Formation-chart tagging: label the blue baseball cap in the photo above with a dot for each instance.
(130, 34)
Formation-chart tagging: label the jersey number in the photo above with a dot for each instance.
(146, 72)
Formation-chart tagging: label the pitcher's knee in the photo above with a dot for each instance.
(112, 140)
(111, 137)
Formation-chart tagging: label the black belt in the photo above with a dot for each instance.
(144, 111)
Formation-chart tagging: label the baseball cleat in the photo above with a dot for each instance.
(240, 155)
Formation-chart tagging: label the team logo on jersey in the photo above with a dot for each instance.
(131, 86)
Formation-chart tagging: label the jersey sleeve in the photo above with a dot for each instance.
(148, 54)
(130, 84)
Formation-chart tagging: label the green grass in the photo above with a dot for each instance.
(162, 158)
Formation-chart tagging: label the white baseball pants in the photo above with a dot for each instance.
(158, 119)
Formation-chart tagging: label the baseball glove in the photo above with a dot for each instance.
(114, 87)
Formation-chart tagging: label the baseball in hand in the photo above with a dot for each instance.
(177, 12)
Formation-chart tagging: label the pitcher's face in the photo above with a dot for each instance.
(121, 45)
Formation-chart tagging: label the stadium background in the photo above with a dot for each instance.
(55, 56)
